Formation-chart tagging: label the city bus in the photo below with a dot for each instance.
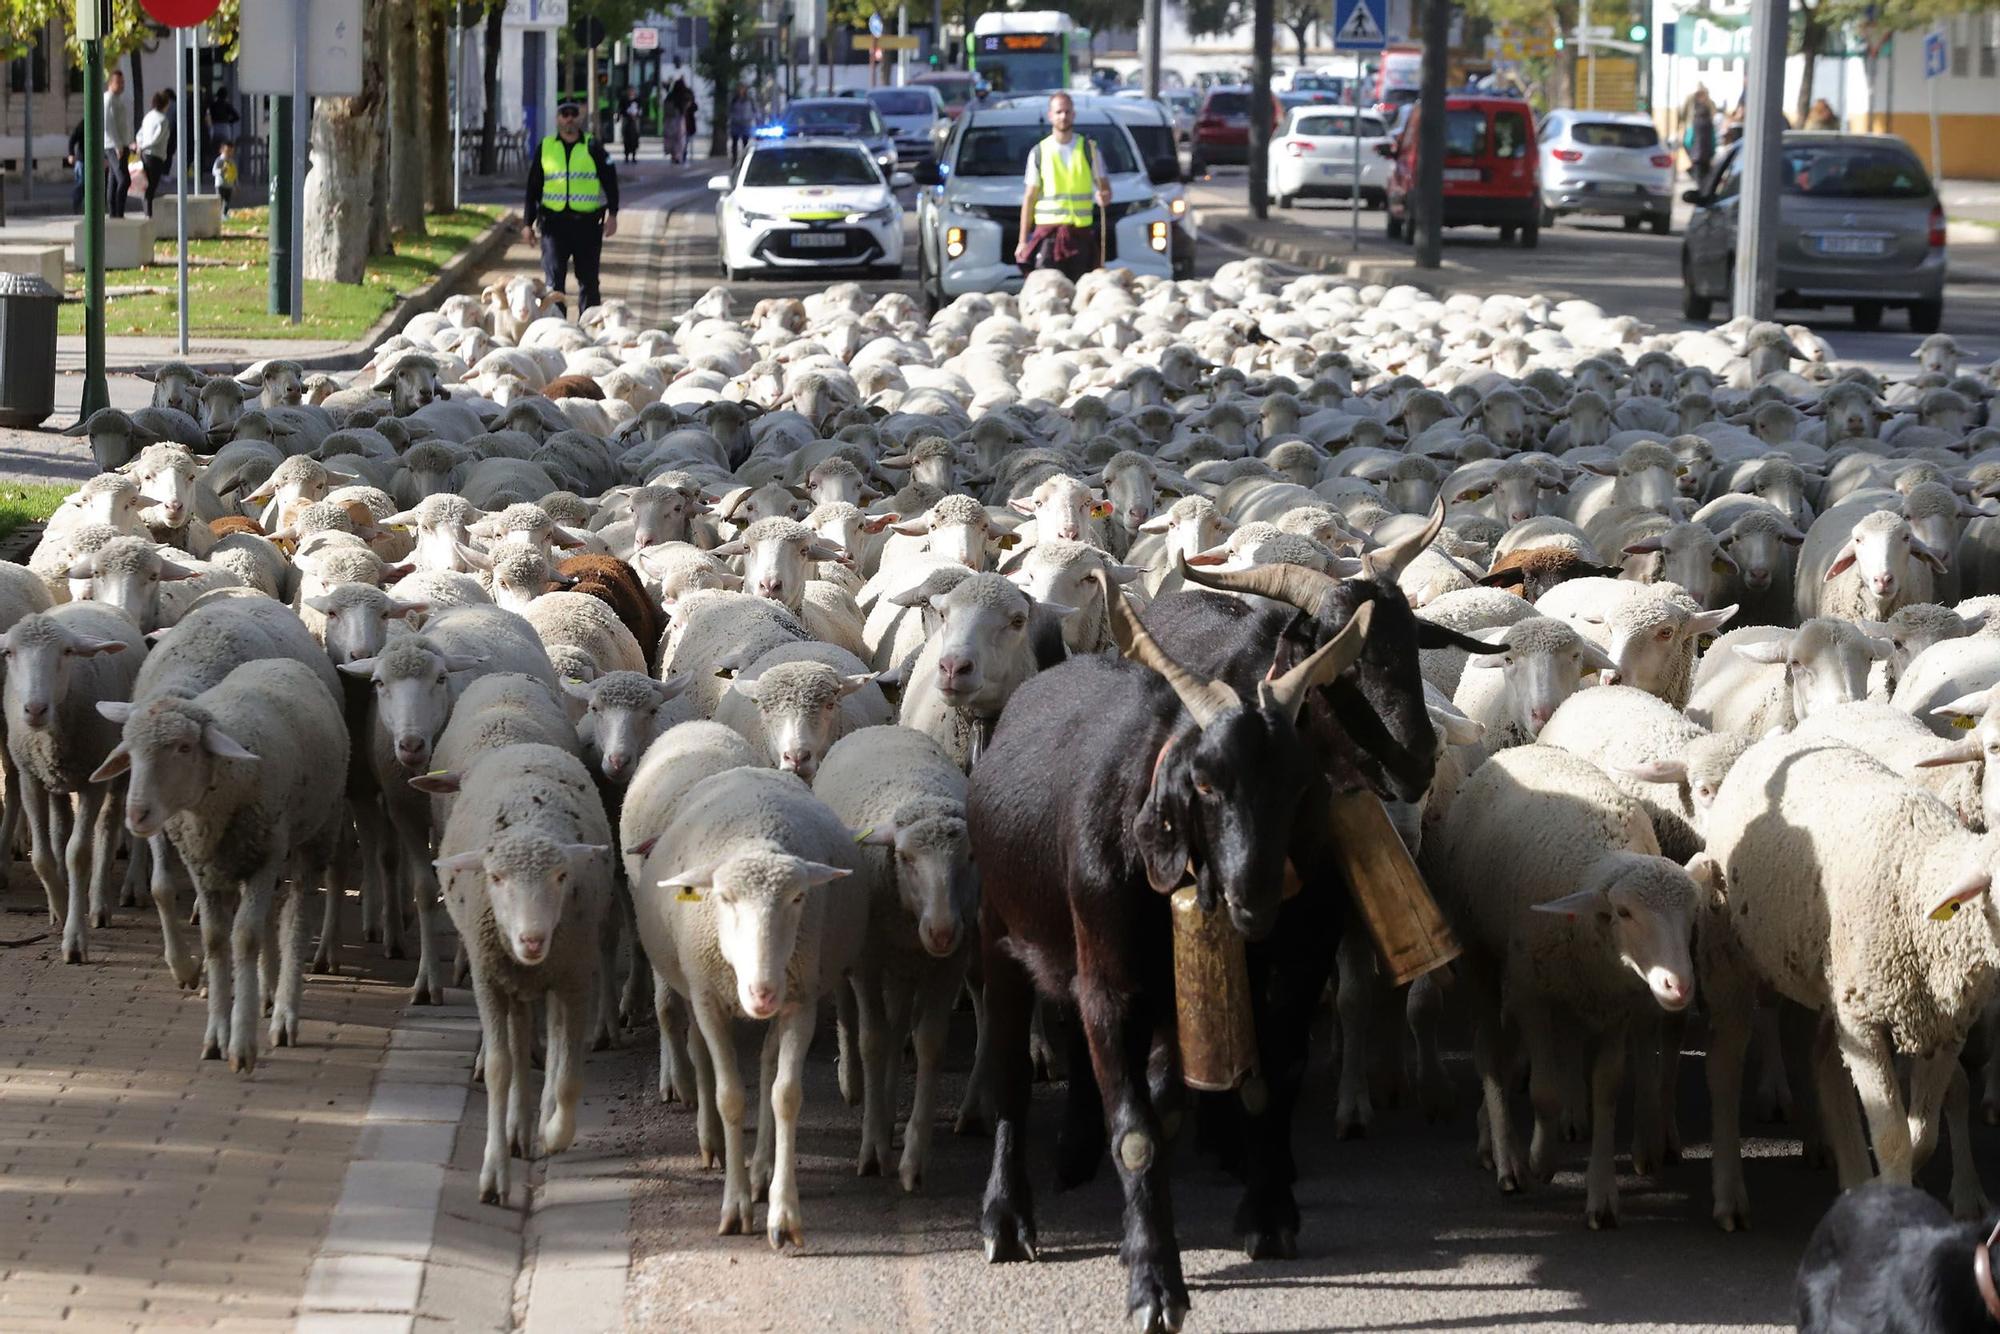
(1035, 51)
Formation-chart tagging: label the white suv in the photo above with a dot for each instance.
(969, 213)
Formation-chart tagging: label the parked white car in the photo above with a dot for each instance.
(809, 204)
(1312, 155)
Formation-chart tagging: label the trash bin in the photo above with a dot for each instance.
(27, 349)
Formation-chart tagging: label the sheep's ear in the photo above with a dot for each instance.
(736, 547)
(1709, 622)
(440, 782)
(1123, 574)
(1975, 883)
(90, 648)
(1974, 622)
(819, 873)
(1655, 771)
(404, 610)
(1455, 727)
(1644, 547)
(876, 523)
(1928, 554)
(1965, 706)
(1574, 905)
(1841, 562)
(744, 686)
(881, 836)
(463, 861)
(1769, 651)
(1593, 656)
(220, 743)
(114, 710)
(1159, 523)
(566, 538)
(1706, 872)
(83, 569)
(463, 662)
(478, 560)
(360, 668)
(1514, 576)
(322, 603)
(116, 763)
(672, 687)
(1965, 752)
(584, 851)
(918, 528)
(580, 691)
(690, 880)
(850, 684)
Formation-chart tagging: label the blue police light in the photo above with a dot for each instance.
(769, 132)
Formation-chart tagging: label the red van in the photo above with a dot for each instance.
(1490, 169)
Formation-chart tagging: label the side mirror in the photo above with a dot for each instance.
(901, 180)
(1695, 197)
(927, 173)
(1387, 148)
(718, 183)
(1164, 170)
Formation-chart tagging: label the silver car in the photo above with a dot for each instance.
(1606, 163)
(1859, 224)
(913, 114)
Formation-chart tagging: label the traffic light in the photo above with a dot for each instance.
(1638, 33)
(935, 59)
(1560, 43)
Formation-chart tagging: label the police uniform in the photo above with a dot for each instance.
(571, 189)
(1066, 177)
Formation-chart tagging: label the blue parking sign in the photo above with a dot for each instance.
(1936, 56)
(1360, 25)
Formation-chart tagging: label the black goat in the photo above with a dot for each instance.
(1890, 1260)
(1171, 771)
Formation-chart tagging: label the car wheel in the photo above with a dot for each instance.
(1506, 235)
(1926, 316)
(1548, 216)
(1663, 224)
(1632, 223)
(1196, 167)
(1867, 315)
(1693, 305)
(1531, 234)
(886, 272)
(1285, 201)
(1392, 226)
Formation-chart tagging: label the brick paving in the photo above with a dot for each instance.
(144, 1188)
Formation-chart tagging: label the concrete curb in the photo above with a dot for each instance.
(1386, 272)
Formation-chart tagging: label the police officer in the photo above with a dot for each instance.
(573, 192)
(1064, 179)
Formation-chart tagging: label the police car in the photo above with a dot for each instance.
(969, 219)
(809, 204)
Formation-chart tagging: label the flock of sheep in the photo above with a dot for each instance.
(660, 658)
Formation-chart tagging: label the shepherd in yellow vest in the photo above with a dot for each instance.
(1065, 186)
(573, 197)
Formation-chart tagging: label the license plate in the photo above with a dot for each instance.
(1461, 173)
(818, 240)
(1851, 245)
(1616, 188)
(1336, 169)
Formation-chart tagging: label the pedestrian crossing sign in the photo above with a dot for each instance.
(1358, 24)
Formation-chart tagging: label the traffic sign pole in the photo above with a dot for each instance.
(96, 393)
(181, 177)
(1755, 291)
(1358, 25)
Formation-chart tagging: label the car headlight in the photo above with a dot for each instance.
(1156, 236)
(748, 215)
(1178, 206)
(887, 213)
(954, 242)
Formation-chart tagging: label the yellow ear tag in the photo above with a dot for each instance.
(1964, 724)
(686, 894)
(1945, 911)
(1721, 568)
(861, 835)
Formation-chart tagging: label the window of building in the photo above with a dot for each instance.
(1989, 45)
(1961, 47)
(37, 61)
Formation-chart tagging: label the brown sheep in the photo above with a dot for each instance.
(1533, 571)
(615, 584)
(573, 386)
(234, 523)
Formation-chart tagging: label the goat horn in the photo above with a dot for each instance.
(1385, 563)
(1205, 700)
(1288, 692)
(1294, 585)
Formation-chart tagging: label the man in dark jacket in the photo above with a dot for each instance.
(573, 199)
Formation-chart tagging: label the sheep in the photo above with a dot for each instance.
(1863, 566)
(1539, 831)
(1641, 742)
(742, 912)
(1514, 690)
(718, 625)
(584, 623)
(60, 664)
(1840, 889)
(958, 683)
(797, 700)
(1759, 678)
(1466, 612)
(1945, 672)
(1907, 746)
(524, 863)
(238, 779)
(130, 573)
(1652, 631)
(1533, 571)
(905, 797)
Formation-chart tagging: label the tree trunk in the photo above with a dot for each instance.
(406, 137)
(1811, 37)
(1299, 31)
(381, 237)
(345, 144)
(489, 115)
(437, 77)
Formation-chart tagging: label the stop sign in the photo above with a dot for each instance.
(181, 13)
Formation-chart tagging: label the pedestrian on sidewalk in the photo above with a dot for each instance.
(573, 198)
(155, 134)
(74, 159)
(673, 124)
(628, 124)
(225, 174)
(1698, 139)
(1821, 116)
(117, 143)
(688, 115)
(1065, 184)
(742, 121)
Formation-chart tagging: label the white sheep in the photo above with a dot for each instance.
(906, 799)
(588, 627)
(1841, 884)
(1759, 678)
(769, 931)
(957, 684)
(795, 701)
(1516, 689)
(1555, 885)
(1633, 735)
(60, 665)
(238, 779)
(525, 865)
(714, 631)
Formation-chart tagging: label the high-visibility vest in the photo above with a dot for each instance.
(1066, 194)
(567, 182)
